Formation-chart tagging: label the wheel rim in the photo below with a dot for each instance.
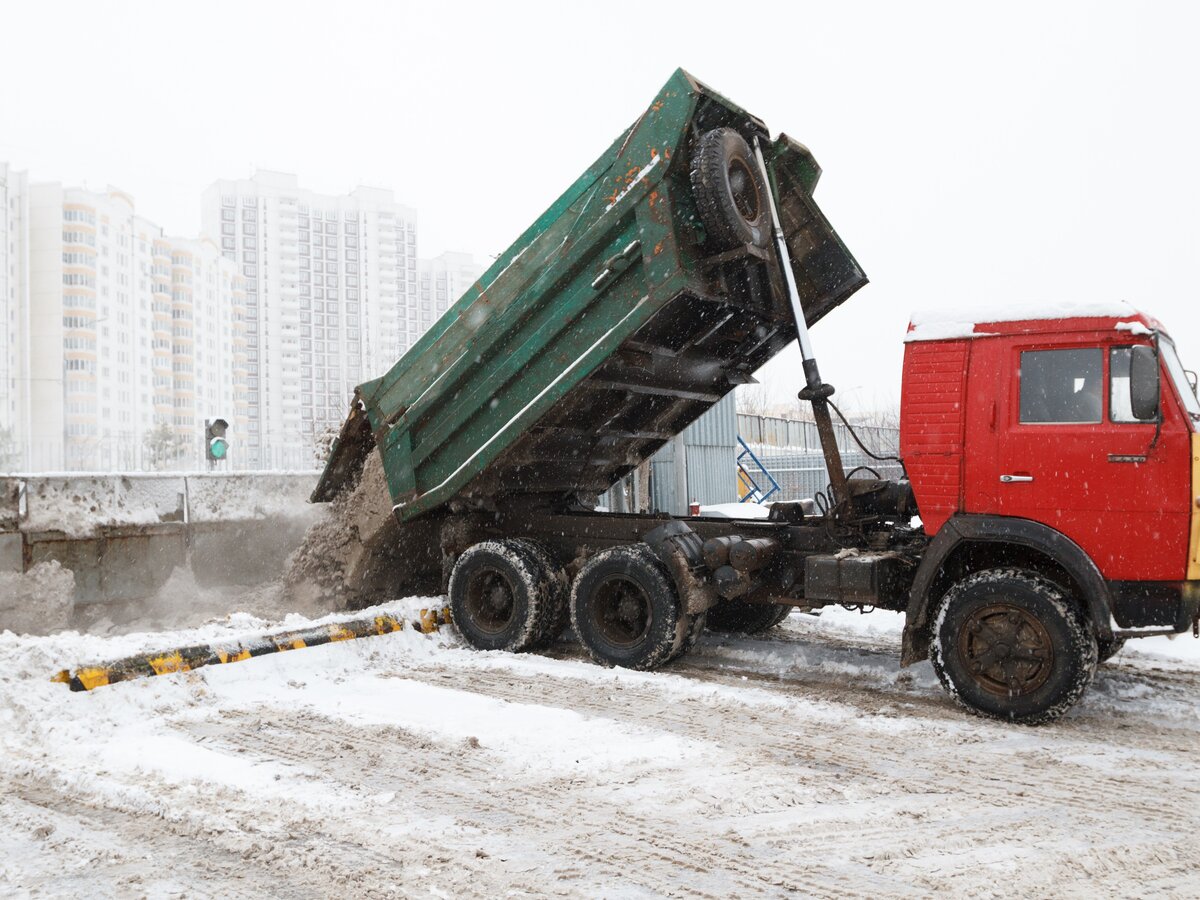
(621, 611)
(490, 602)
(744, 190)
(1006, 650)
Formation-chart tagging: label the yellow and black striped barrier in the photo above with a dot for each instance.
(184, 659)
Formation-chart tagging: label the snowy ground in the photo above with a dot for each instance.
(806, 763)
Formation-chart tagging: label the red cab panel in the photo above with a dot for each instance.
(1032, 419)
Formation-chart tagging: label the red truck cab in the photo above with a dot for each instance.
(1062, 444)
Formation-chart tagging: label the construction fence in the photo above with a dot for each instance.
(783, 459)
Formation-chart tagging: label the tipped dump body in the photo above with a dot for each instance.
(608, 327)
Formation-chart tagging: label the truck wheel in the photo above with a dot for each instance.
(739, 617)
(625, 610)
(553, 581)
(1009, 644)
(500, 596)
(1108, 648)
(730, 195)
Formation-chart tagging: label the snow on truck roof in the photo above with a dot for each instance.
(980, 321)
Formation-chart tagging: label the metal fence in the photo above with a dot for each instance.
(802, 474)
(779, 432)
(791, 452)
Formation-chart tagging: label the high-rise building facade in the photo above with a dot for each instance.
(14, 294)
(328, 284)
(118, 340)
(443, 280)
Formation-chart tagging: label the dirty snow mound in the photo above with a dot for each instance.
(329, 566)
(38, 601)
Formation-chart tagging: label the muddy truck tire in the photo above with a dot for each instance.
(501, 595)
(625, 609)
(555, 591)
(1009, 644)
(692, 630)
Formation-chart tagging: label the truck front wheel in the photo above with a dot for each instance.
(501, 596)
(625, 609)
(1011, 645)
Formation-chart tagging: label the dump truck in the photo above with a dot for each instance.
(1031, 536)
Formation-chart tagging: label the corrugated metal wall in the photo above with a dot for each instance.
(711, 448)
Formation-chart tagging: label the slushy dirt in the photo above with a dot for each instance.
(804, 763)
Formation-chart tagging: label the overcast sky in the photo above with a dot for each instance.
(973, 153)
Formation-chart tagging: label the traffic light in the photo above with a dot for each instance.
(215, 445)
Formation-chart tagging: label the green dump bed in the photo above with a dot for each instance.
(610, 325)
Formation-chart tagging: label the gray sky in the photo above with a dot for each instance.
(973, 153)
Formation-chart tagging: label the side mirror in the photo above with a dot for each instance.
(1143, 383)
(1192, 380)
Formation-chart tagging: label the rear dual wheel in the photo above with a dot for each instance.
(626, 611)
(507, 595)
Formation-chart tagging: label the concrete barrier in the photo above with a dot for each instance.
(124, 534)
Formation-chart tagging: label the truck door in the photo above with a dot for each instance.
(1073, 457)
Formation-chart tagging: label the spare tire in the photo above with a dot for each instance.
(729, 191)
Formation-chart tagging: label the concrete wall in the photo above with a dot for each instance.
(123, 535)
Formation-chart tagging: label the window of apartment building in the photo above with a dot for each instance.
(249, 214)
(227, 243)
(330, 228)
(249, 228)
(227, 215)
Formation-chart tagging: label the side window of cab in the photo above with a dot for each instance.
(1062, 387)
(1121, 387)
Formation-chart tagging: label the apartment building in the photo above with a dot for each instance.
(443, 280)
(329, 283)
(14, 197)
(112, 330)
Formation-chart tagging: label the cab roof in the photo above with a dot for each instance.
(1020, 318)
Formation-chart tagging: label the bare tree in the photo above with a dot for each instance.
(10, 450)
(164, 446)
(753, 399)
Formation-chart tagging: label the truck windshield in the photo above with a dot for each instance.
(1179, 376)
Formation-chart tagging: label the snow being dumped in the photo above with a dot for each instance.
(354, 556)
